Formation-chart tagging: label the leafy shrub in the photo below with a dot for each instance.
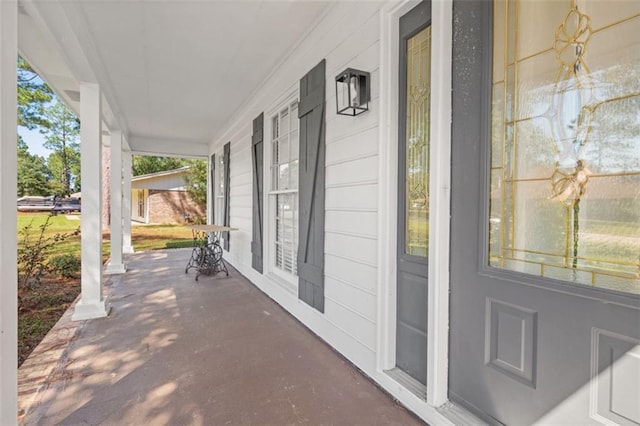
(179, 244)
(65, 265)
(194, 219)
(33, 252)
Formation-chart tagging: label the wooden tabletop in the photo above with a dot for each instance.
(211, 228)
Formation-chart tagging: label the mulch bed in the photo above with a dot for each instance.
(40, 308)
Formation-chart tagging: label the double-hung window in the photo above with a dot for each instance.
(283, 190)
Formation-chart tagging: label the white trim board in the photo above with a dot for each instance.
(8, 214)
(438, 300)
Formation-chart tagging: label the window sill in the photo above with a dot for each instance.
(289, 286)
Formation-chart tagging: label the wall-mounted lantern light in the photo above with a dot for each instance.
(352, 92)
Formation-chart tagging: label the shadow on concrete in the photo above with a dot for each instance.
(216, 351)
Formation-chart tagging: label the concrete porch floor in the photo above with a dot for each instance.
(213, 352)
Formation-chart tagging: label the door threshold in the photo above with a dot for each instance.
(460, 416)
(408, 382)
(449, 413)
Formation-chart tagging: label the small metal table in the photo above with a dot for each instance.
(206, 255)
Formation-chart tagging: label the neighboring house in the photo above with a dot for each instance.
(162, 197)
(419, 239)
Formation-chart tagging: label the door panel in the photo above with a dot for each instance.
(413, 192)
(526, 347)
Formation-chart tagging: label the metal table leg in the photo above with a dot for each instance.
(199, 242)
(210, 259)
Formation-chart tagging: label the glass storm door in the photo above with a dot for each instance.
(413, 192)
(545, 228)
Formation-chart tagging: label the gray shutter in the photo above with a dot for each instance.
(212, 191)
(227, 191)
(311, 110)
(257, 154)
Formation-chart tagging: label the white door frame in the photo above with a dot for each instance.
(439, 189)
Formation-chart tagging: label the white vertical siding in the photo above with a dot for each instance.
(347, 36)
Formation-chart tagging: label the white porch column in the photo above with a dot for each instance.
(115, 265)
(8, 215)
(126, 204)
(92, 303)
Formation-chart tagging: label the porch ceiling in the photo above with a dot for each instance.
(171, 71)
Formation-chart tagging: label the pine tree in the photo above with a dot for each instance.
(33, 96)
(33, 174)
(62, 137)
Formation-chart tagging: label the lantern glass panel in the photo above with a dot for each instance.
(352, 95)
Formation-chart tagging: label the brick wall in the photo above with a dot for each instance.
(171, 207)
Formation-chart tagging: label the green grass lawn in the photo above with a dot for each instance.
(58, 223)
(144, 237)
(156, 237)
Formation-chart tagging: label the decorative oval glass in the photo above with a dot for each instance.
(565, 162)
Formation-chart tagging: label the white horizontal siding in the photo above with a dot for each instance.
(354, 171)
(243, 179)
(244, 212)
(342, 128)
(351, 194)
(359, 223)
(359, 274)
(362, 197)
(241, 222)
(347, 36)
(167, 183)
(351, 186)
(351, 297)
(240, 168)
(349, 22)
(350, 53)
(238, 135)
(347, 246)
(356, 326)
(242, 197)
